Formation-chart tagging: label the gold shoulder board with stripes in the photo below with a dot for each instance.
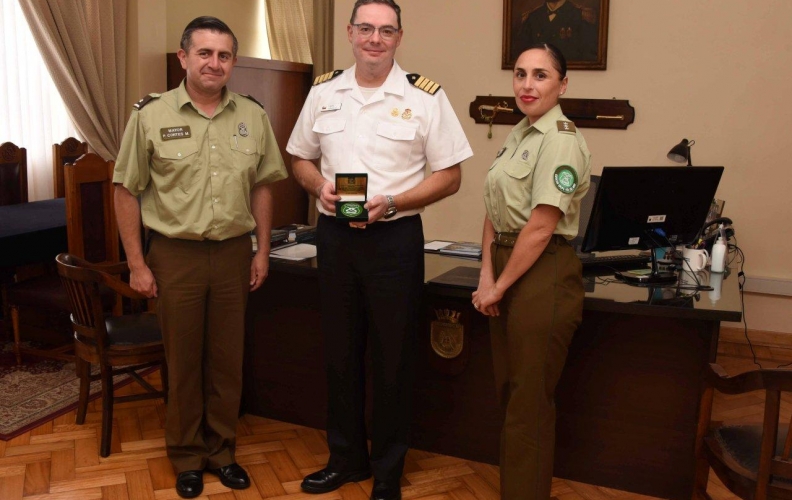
(423, 83)
(139, 105)
(327, 77)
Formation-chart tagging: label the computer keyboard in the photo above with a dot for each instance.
(617, 262)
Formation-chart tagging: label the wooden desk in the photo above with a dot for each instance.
(627, 401)
(32, 232)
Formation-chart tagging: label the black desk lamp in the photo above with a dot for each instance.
(681, 152)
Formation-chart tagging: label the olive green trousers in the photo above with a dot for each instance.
(538, 316)
(203, 289)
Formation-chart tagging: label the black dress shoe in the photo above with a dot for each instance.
(232, 476)
(325, 480)
(189, 484)
(385, 491)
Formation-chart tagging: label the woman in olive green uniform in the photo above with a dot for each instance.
(531, 285)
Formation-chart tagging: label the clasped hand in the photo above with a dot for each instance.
(487, 297)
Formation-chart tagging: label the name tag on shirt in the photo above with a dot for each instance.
(170, 133)
(331, 107)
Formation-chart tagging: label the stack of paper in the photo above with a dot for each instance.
(465, 249)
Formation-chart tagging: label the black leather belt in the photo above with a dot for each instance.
(506, 239)
(509, 239)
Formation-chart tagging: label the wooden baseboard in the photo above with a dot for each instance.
(766, 345)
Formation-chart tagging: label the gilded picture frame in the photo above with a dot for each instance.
(578, 27)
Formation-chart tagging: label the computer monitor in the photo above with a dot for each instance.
(650, 207)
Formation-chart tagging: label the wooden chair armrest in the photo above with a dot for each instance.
(121, 288)
(115, 268)
(776, 379)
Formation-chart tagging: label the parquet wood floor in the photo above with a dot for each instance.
(59, 460)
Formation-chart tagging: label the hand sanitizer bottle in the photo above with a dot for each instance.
(718, 261)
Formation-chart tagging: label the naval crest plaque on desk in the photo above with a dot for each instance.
(353, 190)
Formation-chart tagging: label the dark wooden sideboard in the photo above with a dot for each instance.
(627, 402)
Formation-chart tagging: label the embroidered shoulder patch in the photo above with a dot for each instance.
(327, 77)
(423, 83)
(565, 126)
(139, 105)
(252, 99)
(565, 179)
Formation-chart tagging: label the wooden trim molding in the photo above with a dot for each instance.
(768, 349)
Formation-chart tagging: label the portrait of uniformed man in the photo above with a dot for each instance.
(570, 25)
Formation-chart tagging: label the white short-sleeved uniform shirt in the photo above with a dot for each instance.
(392, 136)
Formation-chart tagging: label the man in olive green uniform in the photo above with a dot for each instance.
(201, 158)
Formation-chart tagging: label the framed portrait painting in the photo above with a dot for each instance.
(579, 28)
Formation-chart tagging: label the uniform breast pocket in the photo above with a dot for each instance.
(519, 177)
(177, 163)
(394, 145)
(331, 139)
(245, 154)
(519, 168)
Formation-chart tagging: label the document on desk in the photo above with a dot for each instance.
(436, 245)
(300, 251)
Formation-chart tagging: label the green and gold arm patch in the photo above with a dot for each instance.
(565, 179)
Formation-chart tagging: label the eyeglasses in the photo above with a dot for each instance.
(366, 30)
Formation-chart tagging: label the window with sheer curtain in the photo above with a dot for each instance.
(32, 113)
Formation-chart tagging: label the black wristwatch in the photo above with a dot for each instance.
(391, 211)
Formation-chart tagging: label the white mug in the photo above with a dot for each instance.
(694, 259)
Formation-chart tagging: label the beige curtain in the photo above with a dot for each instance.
(83, 43)
(322, 41)
(302, 31)
(290, 29)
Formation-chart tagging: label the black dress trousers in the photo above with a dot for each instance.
(371, 281)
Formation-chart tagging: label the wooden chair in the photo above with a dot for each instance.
(118, 344)
(66, 152)
(13, 174)
(752, 461)
(92, 235)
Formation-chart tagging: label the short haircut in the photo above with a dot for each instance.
(206, 23)
(390, 3)
(559, 61)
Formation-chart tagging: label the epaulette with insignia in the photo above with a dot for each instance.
(252, 99)
(327, 76)
(139, 105)
(565, 126)
(423, 83)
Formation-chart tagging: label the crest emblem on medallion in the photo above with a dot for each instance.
(243, 131)
(407, 114)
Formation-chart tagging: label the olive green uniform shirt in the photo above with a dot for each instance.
(195, 173)
(547, 163)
